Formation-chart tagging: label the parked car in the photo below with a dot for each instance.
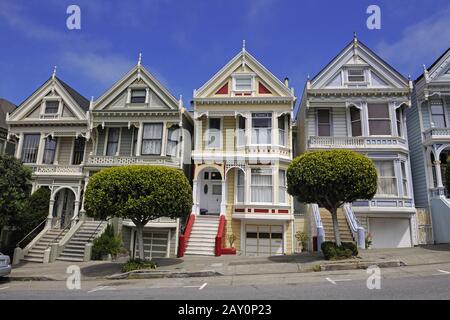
(5, 265)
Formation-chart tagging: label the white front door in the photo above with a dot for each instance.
(211, 192)
(263, 240)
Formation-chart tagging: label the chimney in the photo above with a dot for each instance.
(286, 82)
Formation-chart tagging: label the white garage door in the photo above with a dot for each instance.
(263, 240)
(155, 244)
(390, 232)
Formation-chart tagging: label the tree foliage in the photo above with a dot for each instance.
(15, 188)
(332, 178)
(139, 193)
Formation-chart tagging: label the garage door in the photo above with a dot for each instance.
(390, 232)
(155, 244)
(263, 240)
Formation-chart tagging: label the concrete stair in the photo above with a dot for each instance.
(36, 253)
(202, 240)
(88, 231)
(344, 229)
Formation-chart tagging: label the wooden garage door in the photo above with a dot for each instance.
(263, 240)
(155, 244)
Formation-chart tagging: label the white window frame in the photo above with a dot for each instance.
(356, 82)
(44, 115)
(390, 120)
(396, 182)
(207, 133)
(243, 76)
(163, 136)
(178, 141)
(118, 142)
(405, 178)
(444, 109)
(236, 201)
(272, 186)
(330, 118)
(271, 131)
(282, 189)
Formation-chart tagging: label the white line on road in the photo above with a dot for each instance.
(3, 288)
(337, 280)
(442, 272)
(101, 288)
(203, 286)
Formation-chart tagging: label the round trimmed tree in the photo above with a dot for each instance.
(332, 178)
(138, 193)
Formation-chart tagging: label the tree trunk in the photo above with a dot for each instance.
(140, 238)
(337, 236)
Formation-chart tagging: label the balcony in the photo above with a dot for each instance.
(436, 135)
(376, 143)
(53, 169)
(107, 161)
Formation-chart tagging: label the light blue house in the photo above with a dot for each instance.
(428, 123)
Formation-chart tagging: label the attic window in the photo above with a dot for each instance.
(243, 83)
(138, 96)
(355, 75)
(51, 107)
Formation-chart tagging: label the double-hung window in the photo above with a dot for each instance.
(281, 131)
(261, 185)
(437, 113)
(78, 150)
(355, 119)
(51, 107)
(173, 134)
(282, 186)
(240, 186)
(261, 128)
(152, 138)
(30, 147)
(323, 122)
(379, 120)
(398, 115)
(241, 131)
(112, 145)
(138, 95)
(49, 150)
(214, 133)
(355, 75)
(243, 83)
(404, 179)
(387, 182)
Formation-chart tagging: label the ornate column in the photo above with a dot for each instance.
(223, 204)
(437, 166)
(19, 147)
(195, 209)
(40, 154)
(139, 139)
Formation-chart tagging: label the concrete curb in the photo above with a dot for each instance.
(150, 274)
(350, 265)
(30, 278)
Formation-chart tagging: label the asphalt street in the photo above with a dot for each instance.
(409, 282)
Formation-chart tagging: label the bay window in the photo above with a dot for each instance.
(214, 133)
(398, 115)
(240, 186)
(261, 185)
(404, 179)
(379, 120)
(241, 131)
(30, 147)
(152, 139)
(78, 151)
(323, 122)
(437, 114)
(112, 145)
(387, 182)
(281, 131)
(49, 150)
(261, 128)
(282, 186)
(355, 119)
(173, 134)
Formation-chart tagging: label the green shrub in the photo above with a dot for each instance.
(137, 264)
(106, 244)
(333, 252)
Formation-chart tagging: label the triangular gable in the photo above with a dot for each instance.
(243, 63)
(357, 56)
(440, 69)
(52, 88)
(116, 95)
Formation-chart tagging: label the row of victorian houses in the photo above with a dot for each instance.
(235, 145)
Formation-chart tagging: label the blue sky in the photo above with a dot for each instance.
(184, 43)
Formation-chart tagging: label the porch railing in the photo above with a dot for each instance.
(184, 238)
(56, 169)
(318, 224)
(436, 133)
(356, 142)
(126, 160)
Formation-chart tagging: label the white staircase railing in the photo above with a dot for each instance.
(318, 225)
(357, 230)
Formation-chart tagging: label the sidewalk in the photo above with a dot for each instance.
(231, 265)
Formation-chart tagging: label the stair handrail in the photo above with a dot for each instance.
(58, 236)
(29, 233)
(357, 230)
(319, 226)
(219, 236)
(96, 229)
(184, 238)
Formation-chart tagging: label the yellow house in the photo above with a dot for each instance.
(242, 148)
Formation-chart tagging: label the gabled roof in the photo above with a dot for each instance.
(365, 49)
(226, 70)
(82, 101)
(5, 107)
(435, 63)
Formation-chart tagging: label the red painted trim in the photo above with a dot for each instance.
(262, 88)
(220, 231)
(261, 210)
(239, 210)
(184, 238)
(283, 211)
(229, 251)
(223, 90)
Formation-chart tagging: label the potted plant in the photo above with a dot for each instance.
(231, 250)
(368, 240)
(302, 239)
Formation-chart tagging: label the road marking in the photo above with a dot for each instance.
(101, 288)
(442, 272)
(203, 286)
(3, 288)
(336, 280)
